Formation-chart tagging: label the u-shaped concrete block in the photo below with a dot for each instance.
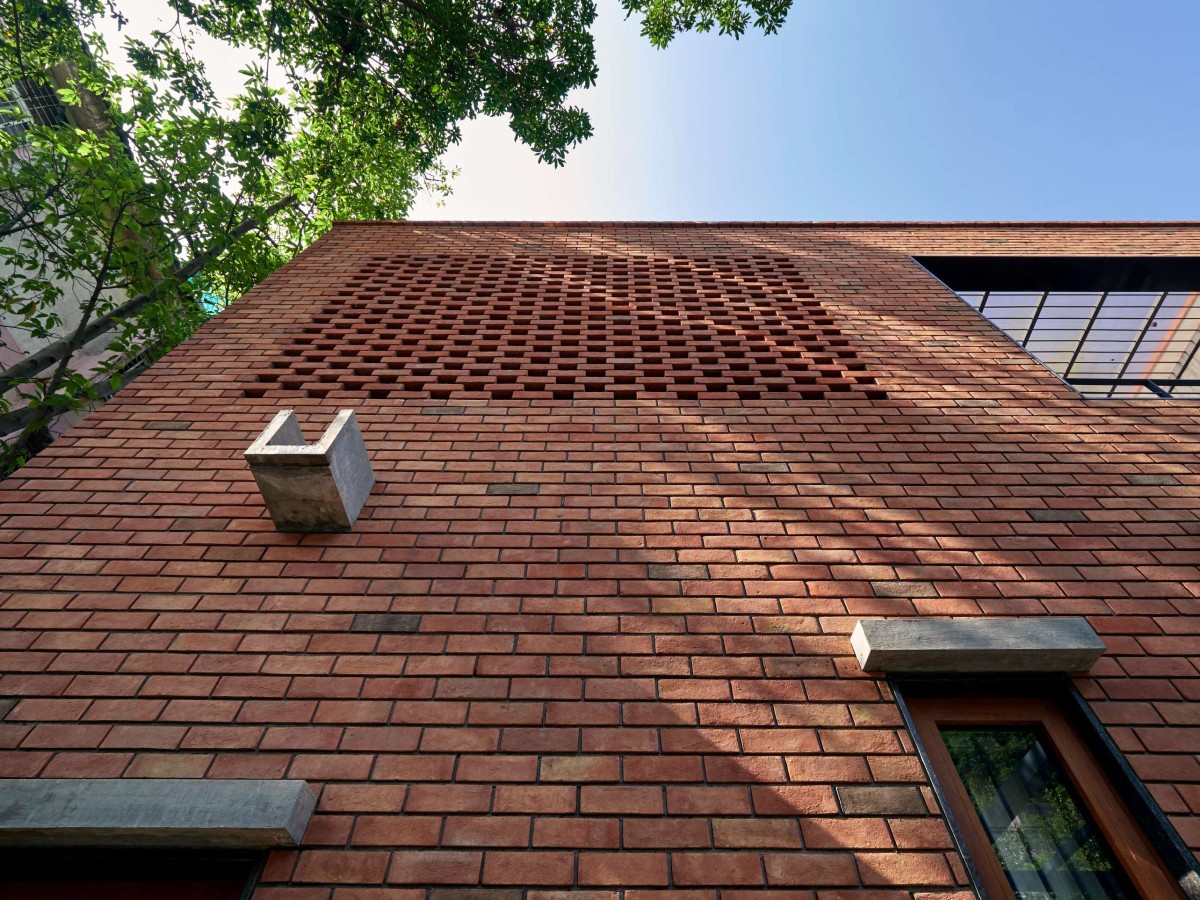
(312, 487)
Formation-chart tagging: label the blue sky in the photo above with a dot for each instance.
(874, 109)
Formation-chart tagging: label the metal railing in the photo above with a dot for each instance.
(1107, 344)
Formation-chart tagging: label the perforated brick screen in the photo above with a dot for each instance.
(567, 326)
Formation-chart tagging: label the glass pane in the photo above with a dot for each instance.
(1114, 335)
(1043, 835)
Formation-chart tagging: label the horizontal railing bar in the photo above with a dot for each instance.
(1172, 382)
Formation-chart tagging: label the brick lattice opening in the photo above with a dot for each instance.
(564, 327)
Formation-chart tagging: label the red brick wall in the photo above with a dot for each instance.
(632, 669)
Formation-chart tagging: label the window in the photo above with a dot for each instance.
(27, 102)
(144, 838)
(1111, 327)
(34, 873)
(1031, 805)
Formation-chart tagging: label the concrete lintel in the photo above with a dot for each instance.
(146, 812)
(312, 487)
(1032, 644)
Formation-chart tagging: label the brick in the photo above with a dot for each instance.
(168, 425)
(143, 737)
(486, 831)
(448, 798)
(397, 831)
(797, 800)
(903, 589)
(623, 869)
(667, 833)
(719, 801)
(413, 767)
(717, 868)
(675, 572)
(1151, 479)
(330, 767)
(756, 833)
(74, 737)
(920, 834)
(904, 868)
(534, 799)
(514, 489)
(810, 869)
(768, 769)
(394, 623)
(663, 769)
(341, 867)
(872, 800)
(169, 765)
(580, 768)
(363, 798)
(47, 709)
(621, 800)
(287, 738)
(246, 765)
(529, 867)
(846, 834)
(579, 832)
(435, 867)
(1058, 515)
(497, 769)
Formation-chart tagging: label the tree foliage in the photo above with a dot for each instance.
(154, 196)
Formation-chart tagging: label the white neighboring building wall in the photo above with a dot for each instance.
(31, 102)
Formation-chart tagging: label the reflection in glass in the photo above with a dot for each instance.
(1046, 841)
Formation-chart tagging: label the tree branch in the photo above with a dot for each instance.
(52, 353)
(43, 414)
(14, 224)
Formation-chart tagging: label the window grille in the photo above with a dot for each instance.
(27, 102)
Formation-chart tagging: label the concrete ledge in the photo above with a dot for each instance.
(320, 487)
(131, 812)
(1017, 645)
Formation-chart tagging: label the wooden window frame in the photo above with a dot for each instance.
(1133, 850)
